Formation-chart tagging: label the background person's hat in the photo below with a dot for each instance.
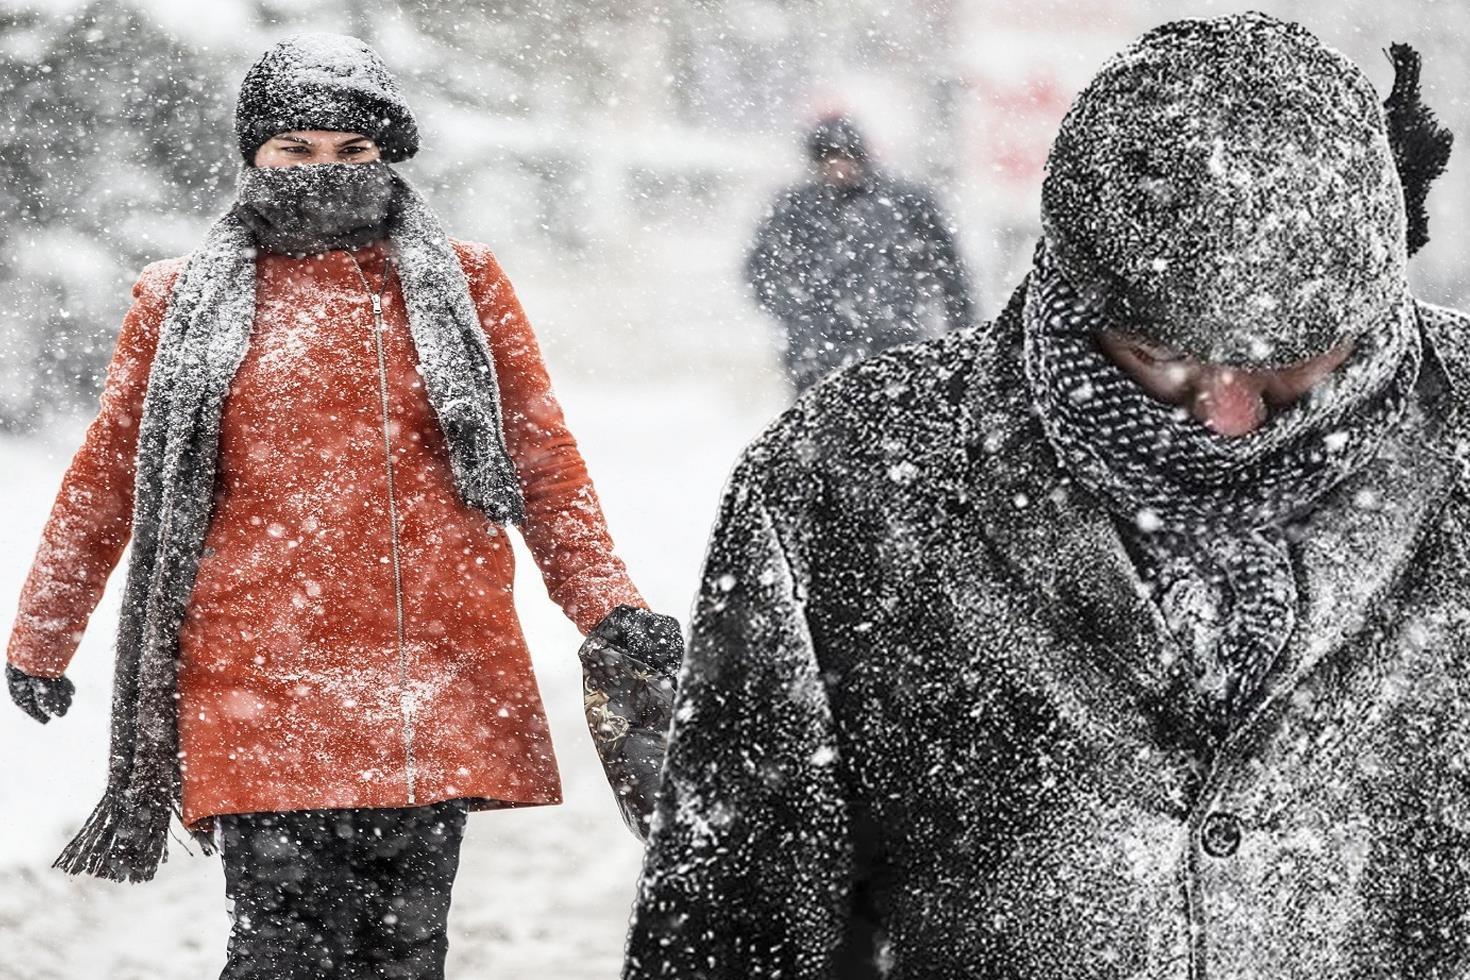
(324, 81)
(836, 136)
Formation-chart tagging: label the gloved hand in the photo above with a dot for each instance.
(43, 698)
(653, 639)
(628, 666)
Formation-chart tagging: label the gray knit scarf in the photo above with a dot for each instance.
(307, 210)
(1210, 513)
(203, 339)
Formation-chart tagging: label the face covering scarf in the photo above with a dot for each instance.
(317, 208)
(1210, 511)
(204, 337)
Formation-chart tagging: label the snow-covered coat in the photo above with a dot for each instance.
(848, 272)
(931, 725)
(296, 689)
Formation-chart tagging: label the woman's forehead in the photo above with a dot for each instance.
(320, 136)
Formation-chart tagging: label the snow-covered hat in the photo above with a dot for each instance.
(324, 81)
(1227, 188)
(835, 136)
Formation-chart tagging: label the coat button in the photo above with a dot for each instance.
(1220, 835)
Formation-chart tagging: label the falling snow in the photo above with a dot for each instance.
(940, 715)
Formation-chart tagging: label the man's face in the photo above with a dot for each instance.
(841, 170)
(1230, 400)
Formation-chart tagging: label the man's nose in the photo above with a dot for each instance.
(1229, 402)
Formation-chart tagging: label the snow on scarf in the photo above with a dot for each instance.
(1210, 511)
(202, 342)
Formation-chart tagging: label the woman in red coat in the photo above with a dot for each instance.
(316, 431)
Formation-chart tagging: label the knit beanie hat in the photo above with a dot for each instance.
(1227, 189)
(836, 136)
(324, 81)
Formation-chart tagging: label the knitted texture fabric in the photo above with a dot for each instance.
(324, 81)
(313, 209)
(1227, 188)
(202, 342)
(1210, 510)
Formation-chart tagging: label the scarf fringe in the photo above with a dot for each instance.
(205, 841)
(108, 848)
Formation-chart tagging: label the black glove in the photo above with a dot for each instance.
(628, 667)
(43, 698)
(653, 639)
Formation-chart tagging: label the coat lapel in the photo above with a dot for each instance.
(1061, 549)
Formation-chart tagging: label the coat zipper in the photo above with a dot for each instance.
(405, 697)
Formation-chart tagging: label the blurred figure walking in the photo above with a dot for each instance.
(854, 261)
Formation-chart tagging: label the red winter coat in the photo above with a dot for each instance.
(295, 689)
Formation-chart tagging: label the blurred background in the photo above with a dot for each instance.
(617, 154)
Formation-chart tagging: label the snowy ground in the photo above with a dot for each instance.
(542, 893)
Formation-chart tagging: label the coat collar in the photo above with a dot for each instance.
(1357, 548)
(1060, 547)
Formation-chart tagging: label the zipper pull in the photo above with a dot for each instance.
(377, 304)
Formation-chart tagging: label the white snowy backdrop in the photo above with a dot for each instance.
(616, 154)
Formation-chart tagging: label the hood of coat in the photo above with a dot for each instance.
(1227, 188)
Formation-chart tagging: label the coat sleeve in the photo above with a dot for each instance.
(949, 268)
(564, 528)
(91, 520)
(749, 864)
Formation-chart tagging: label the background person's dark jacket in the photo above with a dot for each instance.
(848, 272)
(926, 728)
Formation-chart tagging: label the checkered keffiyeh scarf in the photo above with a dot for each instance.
(1209, 510)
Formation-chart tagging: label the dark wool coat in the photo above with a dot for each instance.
(931, 726)
(297, 688)
(849, 272)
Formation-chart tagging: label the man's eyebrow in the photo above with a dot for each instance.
(355, 139)
(294, 139)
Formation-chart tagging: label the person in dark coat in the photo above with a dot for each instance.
(854, 261)
(1125, 637)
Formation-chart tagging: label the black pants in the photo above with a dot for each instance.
(340, 894)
